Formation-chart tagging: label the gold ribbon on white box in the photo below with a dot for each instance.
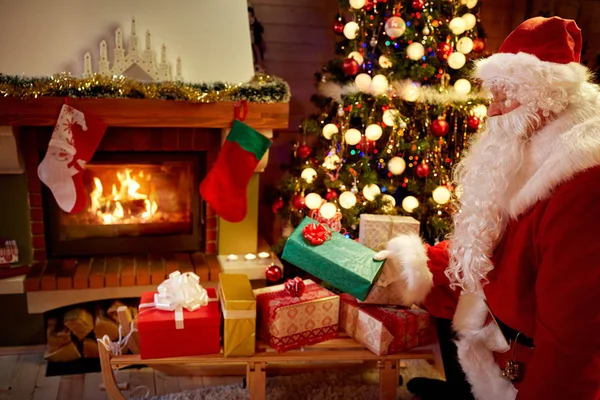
(177, 292)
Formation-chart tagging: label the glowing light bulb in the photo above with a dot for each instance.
(328, 210)
(464, 45)
(379, 85)
(470, 21)
(329, 130)
(373, 132)
(396, 165)
(309, 175)
(456, 60)
(347, 200)
(352, 136)
(351, 30)
(313, 201)
(389, 203)
(384, 62)
(410, 203)
(356, 56)
(462, 86)
(363, 82)
(415, 51)
(457, 25)
(441, 195)
(390, 116)
(371, 191)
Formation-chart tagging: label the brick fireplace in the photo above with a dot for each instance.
(128, 142)
(139, 132)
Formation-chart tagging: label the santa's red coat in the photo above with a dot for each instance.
(546, 277)
(546, 285)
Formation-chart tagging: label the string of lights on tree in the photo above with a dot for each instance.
(397, 109)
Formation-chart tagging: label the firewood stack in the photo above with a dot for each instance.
(72, 334)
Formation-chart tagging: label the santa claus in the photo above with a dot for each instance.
(520, 275)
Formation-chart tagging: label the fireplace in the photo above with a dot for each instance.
(135, 202)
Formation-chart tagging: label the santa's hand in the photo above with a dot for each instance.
(81, 163)
(405, 269)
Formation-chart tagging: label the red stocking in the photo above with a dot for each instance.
(74, 141)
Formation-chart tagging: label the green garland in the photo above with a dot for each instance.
(261, 89)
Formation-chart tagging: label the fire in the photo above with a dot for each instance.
(127, 202)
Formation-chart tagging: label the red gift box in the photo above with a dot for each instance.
(290, 322)
(384, 330)
(160, 337)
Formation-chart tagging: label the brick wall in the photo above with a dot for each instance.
(117, 139)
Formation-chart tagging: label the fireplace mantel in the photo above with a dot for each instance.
(143, 113)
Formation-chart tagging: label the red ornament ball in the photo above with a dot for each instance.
(338, 27)
(303, 151)
(298, 202)
(350, 67)
(423, 170)
(478, 45)
(273, 273)
(277, 205)
(440, 127)
(473, 123)
(418, 5)
(444, 50)
(331, 195)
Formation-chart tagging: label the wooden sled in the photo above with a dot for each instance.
(342, 350)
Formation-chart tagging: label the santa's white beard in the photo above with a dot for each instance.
(486, 175)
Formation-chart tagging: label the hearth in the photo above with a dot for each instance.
(136, 202)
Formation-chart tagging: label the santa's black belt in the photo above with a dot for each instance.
(511, 334)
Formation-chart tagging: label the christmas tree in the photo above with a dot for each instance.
(397, 109)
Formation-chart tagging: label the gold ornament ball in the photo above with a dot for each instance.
(309, 175)
(329, 130)
(457, 25)
(328, 210)
(441, 195)
(347, 200)
(396, 165)
(379, 85)
(390, 117)
(384, 62)
(415, 51)
(351, 30)
(371, 191)
(462, 86)
(457, 60)
(389, 203)
(464, 45)
(357, 4)
(373, 132)
(410, 203)
(363, 82)
(470, 21)
(353, 136)
(313, 201)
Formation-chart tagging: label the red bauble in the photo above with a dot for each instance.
(331, 195)
(423, 170)
(298, 202)
(473, 123)
(273, 273)
(439, 127)
(338, 27)
(444, 50)
(277, 205)
(303, 151)
(418, 5)
(478, 45)
(350, 67)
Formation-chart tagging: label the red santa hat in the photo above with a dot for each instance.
(541, 52)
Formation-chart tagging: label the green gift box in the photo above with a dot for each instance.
(340, 261)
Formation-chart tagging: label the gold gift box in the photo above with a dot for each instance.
(239, 315)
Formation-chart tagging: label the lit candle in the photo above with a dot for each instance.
(232, 257)
(264, 255)
(250, 257)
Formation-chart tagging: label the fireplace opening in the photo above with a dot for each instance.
(135, 202)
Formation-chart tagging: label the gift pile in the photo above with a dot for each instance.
(184, 319)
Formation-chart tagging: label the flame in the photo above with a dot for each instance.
(127, 202)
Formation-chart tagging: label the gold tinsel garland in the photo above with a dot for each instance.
(261, 89)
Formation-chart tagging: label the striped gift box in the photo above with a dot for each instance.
(9, 253)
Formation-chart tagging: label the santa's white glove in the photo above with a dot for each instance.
(405, 270)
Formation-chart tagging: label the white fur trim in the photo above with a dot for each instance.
(476, 345)
(408, 253)
(564, 148)
(527, 69)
